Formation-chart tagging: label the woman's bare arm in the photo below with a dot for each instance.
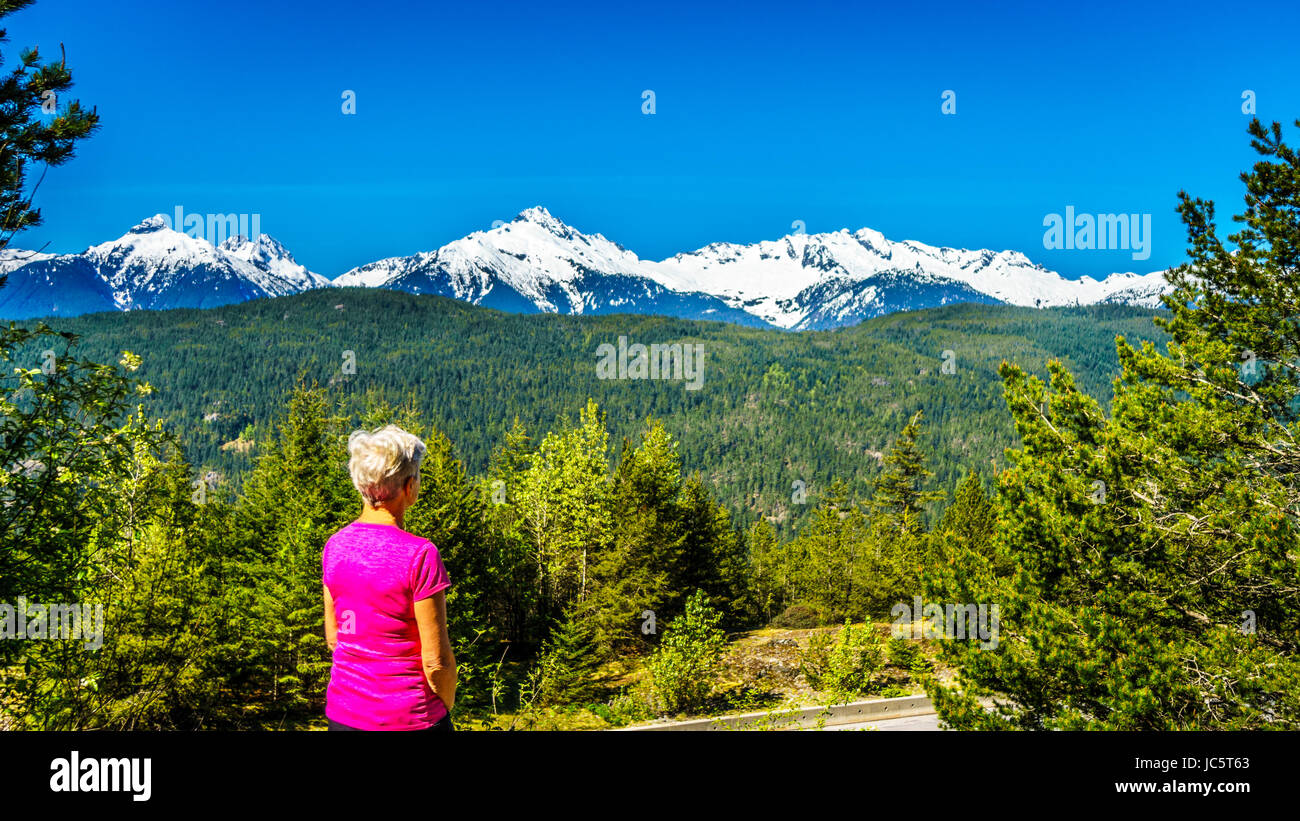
(435, 647)
(331, 624)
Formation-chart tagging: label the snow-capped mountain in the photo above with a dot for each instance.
(802, 281)
(153, 267)
(536, 263)
(841, 278)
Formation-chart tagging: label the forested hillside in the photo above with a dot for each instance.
(773, 409)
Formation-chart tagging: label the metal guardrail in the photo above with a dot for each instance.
(802, 717)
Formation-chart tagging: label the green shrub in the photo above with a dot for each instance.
(623, 709)
(902, 652)
(798, 617)
(846, 665)
(684, 666)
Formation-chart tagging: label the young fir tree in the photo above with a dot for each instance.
(834, 559)
(1148, 558)
(297, 496)
(966, 523)
(632, 577)
(570, 660)
(898, 500)
(712, 556)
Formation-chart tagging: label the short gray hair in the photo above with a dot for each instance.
(380, 461)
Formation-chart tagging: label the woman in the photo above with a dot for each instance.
(385, 609)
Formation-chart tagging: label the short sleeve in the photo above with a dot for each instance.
(428, 576)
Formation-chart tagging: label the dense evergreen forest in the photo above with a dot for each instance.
(774, 408)
(566, 527)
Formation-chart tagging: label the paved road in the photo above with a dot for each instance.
(909, 724)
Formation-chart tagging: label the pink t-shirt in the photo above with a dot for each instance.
(376, 573)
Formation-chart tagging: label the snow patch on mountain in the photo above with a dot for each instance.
(12, 258)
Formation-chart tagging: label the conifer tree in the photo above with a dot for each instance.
(1146, 560)
(899, 499)
(296, 498)
(632, 576)
(969, 521)
(570, 660)
(832, 557)
(38, 127)
(712, 556)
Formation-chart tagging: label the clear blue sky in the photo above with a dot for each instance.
(766, 113)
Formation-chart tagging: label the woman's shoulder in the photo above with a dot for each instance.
(413, 543)
(420, 545)
(371, 533)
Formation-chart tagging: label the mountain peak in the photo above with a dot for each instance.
(265, 243)
(154, 223)
(539, 216)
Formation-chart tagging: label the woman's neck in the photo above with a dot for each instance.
(380, 516)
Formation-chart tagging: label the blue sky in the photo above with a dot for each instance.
(766, 113)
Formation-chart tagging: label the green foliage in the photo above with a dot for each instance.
(853, 559)
(100, 514)
(799, 617)
(847, 665)
(624, 709)
(633, 575)
(296, 498)
(834, 557)
(569, 662)
(562, 500)
(771, 582)
(920, 667)
(685, 664)
(968, 524)
(1133, 547)
(902, 652)
(30, 137)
